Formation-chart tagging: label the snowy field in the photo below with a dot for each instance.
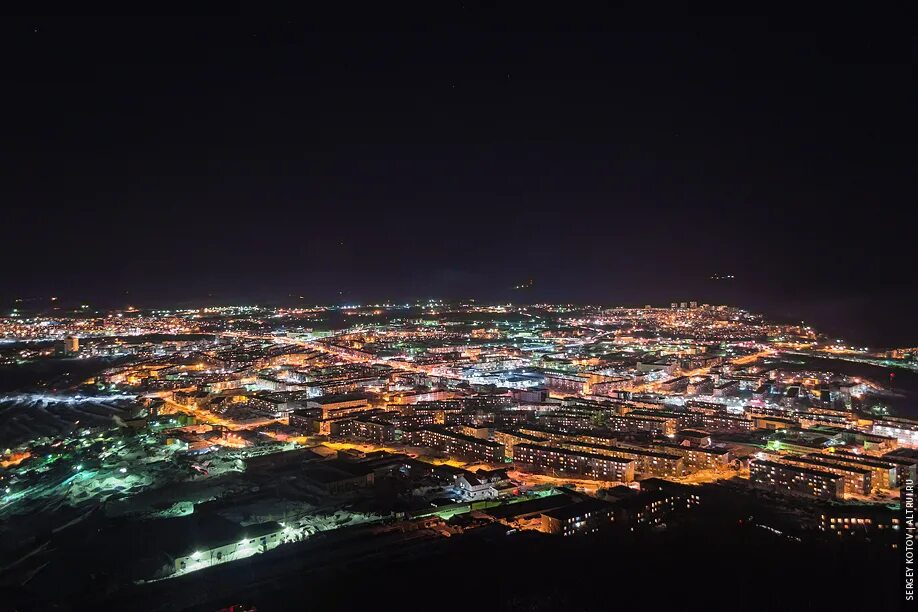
(27, 416)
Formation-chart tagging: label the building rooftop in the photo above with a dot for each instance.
(574, 511)
(339, 398)
(794, 468)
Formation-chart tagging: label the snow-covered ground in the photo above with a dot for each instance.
(28, 416)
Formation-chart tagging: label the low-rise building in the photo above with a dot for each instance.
(338, 477)
(696, 457)
(211, 551)
(482, 484)
(339, 405)
(883, 473)
(796, 480)
(905, 430)
(906, 462)
(511, 438)
(657, 503)
(456, 444)
(305, 420)
(589, 516)
(723, 422)
(628, 423)
(857, 479)
(580, 462)
(646, 462)
(372, 429)
(874, 523)
(726, 388)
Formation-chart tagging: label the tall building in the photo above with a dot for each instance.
(71, 345)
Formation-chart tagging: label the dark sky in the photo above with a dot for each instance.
(459, 152)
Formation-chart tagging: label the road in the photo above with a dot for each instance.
(533, 480)
(745, 359)
(206, 416)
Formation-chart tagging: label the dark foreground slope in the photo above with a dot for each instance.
(693, 567)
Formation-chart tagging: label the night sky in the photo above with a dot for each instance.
(461, 152)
